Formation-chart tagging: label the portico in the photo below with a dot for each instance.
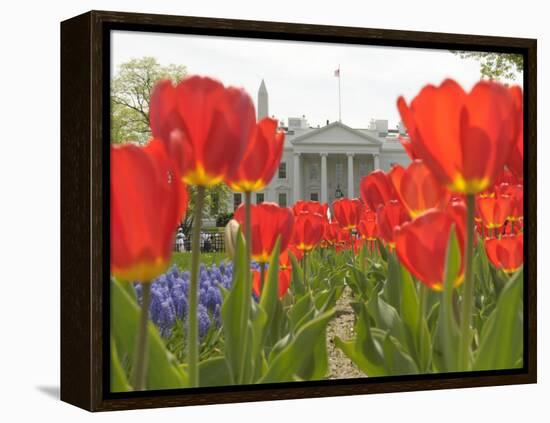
(325, 175)
(329, 162)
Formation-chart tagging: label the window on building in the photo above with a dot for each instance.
(314, 196)
(260, 198)
(313, 171)
(282, 170)
(237, 200)
(282, 199)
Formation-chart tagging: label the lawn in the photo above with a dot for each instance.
(183, 260)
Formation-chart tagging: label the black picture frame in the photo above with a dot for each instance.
(85, 55)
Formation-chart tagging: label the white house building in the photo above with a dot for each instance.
(325, 163)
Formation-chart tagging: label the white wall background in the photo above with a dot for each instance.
(29, 231)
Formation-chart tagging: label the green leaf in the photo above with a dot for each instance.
(119, 382)
(270, 294)
(392, 289)
(447, 339)
(359, 283)
(235, 314)
(397, 361)
(258, 330)
(386, 317)
(501, 341)
(278, 328)
(419, 339)
(302, 310)
(432, 317)
(287, 364)
(361, 259)
(382, 249)
(297, 282)
(214, 372)
(367, 354)
(162, 369)
(482, 268)
(326, 299)
(316, 366)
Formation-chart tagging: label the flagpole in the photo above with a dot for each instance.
(339, 97)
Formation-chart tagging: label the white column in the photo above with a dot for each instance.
(324, 182)
(376, 161)
(351, 191)
(296, 189)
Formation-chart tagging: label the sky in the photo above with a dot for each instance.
(299, 76)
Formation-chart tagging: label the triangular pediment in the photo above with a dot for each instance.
(336, 133)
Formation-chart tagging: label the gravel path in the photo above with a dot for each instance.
(341, 367)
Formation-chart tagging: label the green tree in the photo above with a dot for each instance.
(130, 92)
(215, 204)
(497, 66)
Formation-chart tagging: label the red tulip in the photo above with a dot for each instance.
(494, 211)
(515, 158)
(368, 229)
(368, 214)
(516, 212)
(257, 283)
(261, 158)
(419, 190)
(284, 260)
(283, 282)
(376, 189)
(205, 126)
(347, 211)
(421, 246)
(389, 217)
(295, 251)
(488, 193)
(330, 232)
(463, 138)
(515, 192)
(506, 177)
(480, 229)
(358, 244)
(506, 253)
(395, 176)
(457, 210)
(512, 227)
(147, 203)
(268, 222)
(310, 206)
(308, 231)
(409, 147)
(285, 276)
(343, 240)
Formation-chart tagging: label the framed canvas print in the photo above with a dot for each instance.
(261, 210)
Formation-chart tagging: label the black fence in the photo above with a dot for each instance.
(211, 242)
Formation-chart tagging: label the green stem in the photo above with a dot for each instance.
(304, 265)
(248, 289)
(423, 300)
(193, 346)
(140, 362)
(262, 275)
(422, 315)
(467, 303)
